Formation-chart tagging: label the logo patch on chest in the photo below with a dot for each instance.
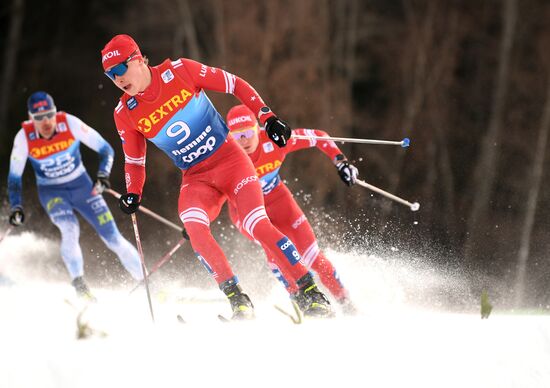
(131, 103)
(268, 146)
(167, 76)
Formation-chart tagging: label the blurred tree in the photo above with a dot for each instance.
(485, 172)
(11, 52)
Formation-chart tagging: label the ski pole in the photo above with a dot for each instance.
(160, 263)
(403, 143)
(6, 233)
(413, 206)
(153, 214)
(143, 268)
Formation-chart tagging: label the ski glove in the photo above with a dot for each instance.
(348, 172)
(129, 203)
(17, 217)
(184, 234)
(101, 183)
(278, 131)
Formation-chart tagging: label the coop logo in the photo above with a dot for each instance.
(244, 182)
(146, 123)
(268, 167)
(289, 250)
(239, 120)
(202, 150)
(38, 152)
(109, 55)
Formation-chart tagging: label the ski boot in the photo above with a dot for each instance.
(242, 307)
(82, 290)
(311, 301)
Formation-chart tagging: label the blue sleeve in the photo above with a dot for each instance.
(92, 139)
(18, 159)
(106, 156)
(14, 190)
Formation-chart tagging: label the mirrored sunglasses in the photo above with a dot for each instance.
(43, 115)
(120, 69)
(247, 133)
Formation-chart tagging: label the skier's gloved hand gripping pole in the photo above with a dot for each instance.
(134, 206)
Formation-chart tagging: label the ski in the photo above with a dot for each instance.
(181, 320)
(298, 319)
(223, 319)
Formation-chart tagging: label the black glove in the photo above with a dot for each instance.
(17, 217)
(278, 131)
(348, 173)
(129, 203)
(101, 183)
(184, 234)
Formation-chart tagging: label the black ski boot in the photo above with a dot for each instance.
(82, 290)
(311, 301)
(242, 307)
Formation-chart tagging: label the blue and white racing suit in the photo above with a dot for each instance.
(64, 186)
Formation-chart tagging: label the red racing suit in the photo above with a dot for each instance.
(284, 212)
(175, 114)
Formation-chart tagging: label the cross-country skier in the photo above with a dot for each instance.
(281, 207)
(167, 105)
(51, 141)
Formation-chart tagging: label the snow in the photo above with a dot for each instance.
(396, 341)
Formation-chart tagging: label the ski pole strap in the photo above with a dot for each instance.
(413, 206)
(403, 143)
(143, 268)
(150, 213)
(160, 263)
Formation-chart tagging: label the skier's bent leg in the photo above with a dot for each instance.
(329, 276)
(127, 254)
(97, 213)
(71, 253)
(206, 247)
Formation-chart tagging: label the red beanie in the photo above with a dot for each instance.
(240, 117)
(118, 50)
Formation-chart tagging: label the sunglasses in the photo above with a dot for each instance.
(247, 133)
(42, 116)
(120, 69)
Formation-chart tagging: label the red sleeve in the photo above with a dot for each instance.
(218, 80)
(328, 147)
(134, 146)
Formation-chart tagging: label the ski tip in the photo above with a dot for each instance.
(415, 206)
(180, 319)
(223, 319)
(405, 142)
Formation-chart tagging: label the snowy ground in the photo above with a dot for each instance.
(393, 342)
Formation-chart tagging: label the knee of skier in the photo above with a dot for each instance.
(196, 222)
(195, 230)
